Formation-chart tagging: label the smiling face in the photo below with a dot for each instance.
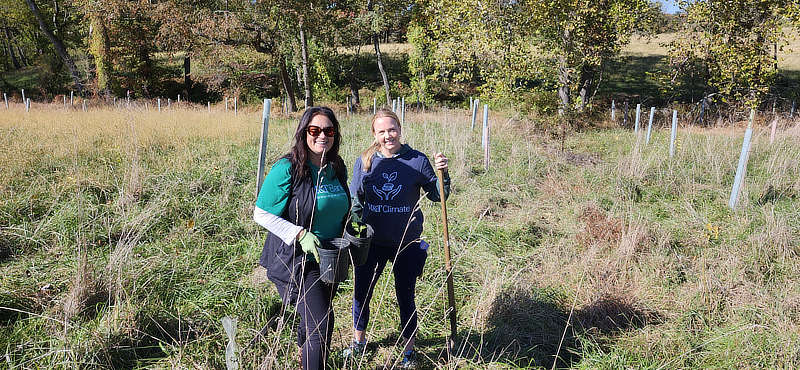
(321, 142)
(387, 135)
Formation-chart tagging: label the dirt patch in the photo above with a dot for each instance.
(599, 227)
(581, 159)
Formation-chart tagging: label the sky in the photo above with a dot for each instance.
(668, 6)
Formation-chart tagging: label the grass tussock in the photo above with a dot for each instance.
(126, 235)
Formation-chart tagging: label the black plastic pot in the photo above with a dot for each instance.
(359, 247)
(334, 262)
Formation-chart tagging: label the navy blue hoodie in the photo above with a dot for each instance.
(386, 196)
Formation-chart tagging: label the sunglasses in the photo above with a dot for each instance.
(315, 131)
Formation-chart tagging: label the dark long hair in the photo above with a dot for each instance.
(298, 153)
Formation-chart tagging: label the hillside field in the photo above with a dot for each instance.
(126, 235)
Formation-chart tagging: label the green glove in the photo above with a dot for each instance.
(309, 243)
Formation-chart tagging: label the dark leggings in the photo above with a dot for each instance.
(406, 268)
(314, 306)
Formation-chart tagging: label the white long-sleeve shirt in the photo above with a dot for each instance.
(283, 229)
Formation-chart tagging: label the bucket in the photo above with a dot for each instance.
(359, 244)
(334, 263)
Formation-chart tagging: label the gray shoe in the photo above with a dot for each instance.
(355, 350)
(409, 360)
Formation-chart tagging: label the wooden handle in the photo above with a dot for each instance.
(451, 298)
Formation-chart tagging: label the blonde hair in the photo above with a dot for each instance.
(366, 156)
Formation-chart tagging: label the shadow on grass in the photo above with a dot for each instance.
(149, 342)
(527, 328)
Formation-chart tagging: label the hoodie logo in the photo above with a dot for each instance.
(388, 191)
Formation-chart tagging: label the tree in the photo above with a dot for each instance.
(731, 46)
(60, 49)
(506, 46)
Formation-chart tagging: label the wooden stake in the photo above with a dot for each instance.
(448, 266)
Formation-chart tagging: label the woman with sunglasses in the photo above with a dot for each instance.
(304, 200)
(386, 184)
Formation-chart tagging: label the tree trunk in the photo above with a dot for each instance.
(287, 85)
(563, 83)
(22, 58)
(306, 83)
(376, 43)
(586, 82)
(99, 50)
(58, 45)
(14, 60)
(187, 76)
(355, 99)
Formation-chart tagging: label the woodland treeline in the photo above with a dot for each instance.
(539, 55)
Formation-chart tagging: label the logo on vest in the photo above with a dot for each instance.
(388, 191)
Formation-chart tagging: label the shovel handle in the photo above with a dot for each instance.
(451, 299)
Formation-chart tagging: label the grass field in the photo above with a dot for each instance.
(127, 235)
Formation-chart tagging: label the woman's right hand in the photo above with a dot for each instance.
(309, 243)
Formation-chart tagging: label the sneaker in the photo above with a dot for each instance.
(409, 360)
(355, 350)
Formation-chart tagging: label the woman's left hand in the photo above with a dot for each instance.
(440, 161)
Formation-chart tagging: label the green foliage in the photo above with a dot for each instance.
(731, 47)
(513, 47)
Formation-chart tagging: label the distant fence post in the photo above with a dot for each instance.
(84, 105)
(474, 112)
(702, 110)
(403, 112)
(742, 167)
(650, 126)
(638, 113)
(23, 96)
(485, 126)
(486, 148)
(27, 105)
(5, 98)
(674, 133)
(159, 105)
(773, 129)
(169, 103)
(226, 104)
(394, 105)
(179, 98)
(625, 115)
(209, 106)
(115, 101)
(72, 100)
(235, 105)
(791, 112)
(613, 111)
(262, 153)
(374, 105)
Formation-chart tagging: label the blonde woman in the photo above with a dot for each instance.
(387, 182)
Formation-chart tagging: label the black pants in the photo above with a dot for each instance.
(314, 306)
(407, 266)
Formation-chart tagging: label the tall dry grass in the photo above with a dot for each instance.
(634, 253)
